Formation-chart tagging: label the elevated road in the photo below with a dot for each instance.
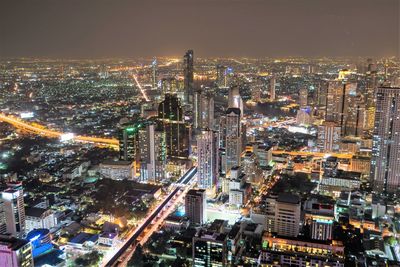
(131, 242)
(42, 130)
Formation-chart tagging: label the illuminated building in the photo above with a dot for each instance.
(209, 249)
(195, 206)
(188, 75)
(385, 167)
(128, 140)
(169, 85)
(177, 131)
(233, 137)
(154, 73)
(3, 226)
(319, 215)
(344, 107)
(14, 210)
(279, 251)
(283, 214)
(15, 252)
(328, 137)
(117, 170)
(153, 154)
(234, 99)
(198, 109)
(221, 76)
(37, 218)
(40, 240)
(272, 84)
(207, 154)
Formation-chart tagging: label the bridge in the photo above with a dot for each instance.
(43, 131)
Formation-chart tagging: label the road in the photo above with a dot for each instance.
(41, 130)
(314, 154)
(122, 254)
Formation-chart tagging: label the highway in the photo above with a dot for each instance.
(41, 130)
(131, 242)
(314, 154)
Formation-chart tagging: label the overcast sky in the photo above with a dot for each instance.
(145, 28)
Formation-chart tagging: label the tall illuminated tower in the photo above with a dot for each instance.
(177, 131)
(385, 167)
(188, 76)
(233, 137)
(154, 73)
(207, 153)
(14, 210)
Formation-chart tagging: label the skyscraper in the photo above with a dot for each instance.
(188, 75)
(198, 109)
(233, 141)
(177, 131)
(328, 137)
(154, 73)
(272, 83)
(221, 76)
(207, 153)
(15, 252)
(14, 210)
(385, 167)
(152, 154)
(195, 206)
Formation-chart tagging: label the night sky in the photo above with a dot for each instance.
(145, 28)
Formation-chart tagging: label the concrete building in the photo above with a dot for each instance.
(195, 206)
(385, 167)
(15, 252)
(283, 214)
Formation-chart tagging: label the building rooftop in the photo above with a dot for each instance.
(12, 242)
(288, 198)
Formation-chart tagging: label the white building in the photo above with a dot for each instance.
(117, 170)
(207, 154)
(14, 210)
(37, 218)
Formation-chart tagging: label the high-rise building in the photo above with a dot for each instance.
(207, 154)
(152, 154)
(154, 79)
(128, 140)
(283, 214)
(328, 137)
(385, 167)
(195, 206)
(177, 131)
(221, 76)
(303, 97)
(3, 226)
(14, 210)
(198, 110)
(272, 84)
(344, 107)
(15, 252)
(209, 249)
(188, 75)
(319, 216)
(233, 143)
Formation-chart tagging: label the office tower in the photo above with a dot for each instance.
(369, 100)
(154, 73)
(328, 137)
(209, 248)
(198, 110)
(169, 85)
(3, 226)
(195, 206)
(15, 252)
(188, 76)
(128, 140)
(177, 132)
(207, 154)
(272, 83)
(152, 154)
(321, 99)
(208, 112)
(385, 167)
(344, 107)
(283, 214)
(233, 143)
(234, 98)
(14, 210)
(303, 97)
(221, 76)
